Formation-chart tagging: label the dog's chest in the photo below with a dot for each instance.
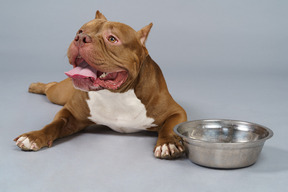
(122, 112)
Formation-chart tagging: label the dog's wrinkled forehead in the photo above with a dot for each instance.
(93, 26)
(100, 26)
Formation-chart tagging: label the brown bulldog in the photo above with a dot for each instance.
(114, 82)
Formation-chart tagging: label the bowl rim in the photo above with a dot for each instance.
(270, 133)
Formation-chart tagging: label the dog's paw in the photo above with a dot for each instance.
(37, 88)
(32, 141)
(25, 144)
(169, 151)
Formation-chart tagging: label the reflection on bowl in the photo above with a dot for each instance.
(223, 143)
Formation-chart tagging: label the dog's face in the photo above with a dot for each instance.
(106, 55)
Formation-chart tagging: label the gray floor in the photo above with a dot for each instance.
(221, 59)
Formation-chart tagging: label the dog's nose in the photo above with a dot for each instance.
(81, 39)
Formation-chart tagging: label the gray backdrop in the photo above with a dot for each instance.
(221, 59)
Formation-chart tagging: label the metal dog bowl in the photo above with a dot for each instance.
(221, 143)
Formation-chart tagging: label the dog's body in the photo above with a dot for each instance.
(117, 85)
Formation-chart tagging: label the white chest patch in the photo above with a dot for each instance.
(122, 112)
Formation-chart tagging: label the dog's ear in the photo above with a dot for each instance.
(143, 33)
(99, 15)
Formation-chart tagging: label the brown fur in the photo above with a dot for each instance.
(145, 77)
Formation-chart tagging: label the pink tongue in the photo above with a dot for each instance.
(84, 70)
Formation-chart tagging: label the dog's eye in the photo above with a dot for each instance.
(112, 39)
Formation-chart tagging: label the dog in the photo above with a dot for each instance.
(114, 82)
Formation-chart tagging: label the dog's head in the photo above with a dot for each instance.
(106, 55)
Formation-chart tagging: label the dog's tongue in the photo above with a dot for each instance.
(84, 70)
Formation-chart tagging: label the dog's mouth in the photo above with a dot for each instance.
(87, 78)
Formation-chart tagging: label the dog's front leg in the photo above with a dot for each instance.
(64, 124)
(169, 145)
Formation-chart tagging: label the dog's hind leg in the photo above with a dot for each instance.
(58, 93)
(40, 88)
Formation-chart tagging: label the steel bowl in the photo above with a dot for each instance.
(222, 143)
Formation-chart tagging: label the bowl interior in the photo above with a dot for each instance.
(223, 131)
